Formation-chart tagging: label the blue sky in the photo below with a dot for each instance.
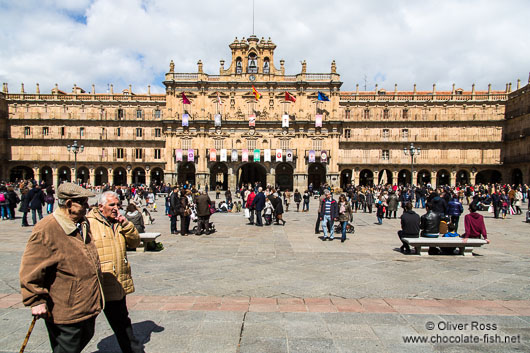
(132, 41)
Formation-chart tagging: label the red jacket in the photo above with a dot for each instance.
(474, 225)
(250, 198)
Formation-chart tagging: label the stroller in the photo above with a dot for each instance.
(195, 219)
(350, 228)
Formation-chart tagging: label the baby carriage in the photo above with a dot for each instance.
(349, 228)
(194, 218)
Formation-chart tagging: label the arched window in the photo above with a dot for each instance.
(239, 67)
(252, 63)
(266, 67)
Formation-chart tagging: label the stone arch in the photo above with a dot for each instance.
(46, 175)
(385, 177)
(186, 173)
(462, 177)
(138, 176)
(83, 175)
(102, 176)
(64, 174)
(119, 176)
(219, 175)
(157, 176)
(423, 177)
(517, 176)
(366, 177)
(284, 176)
(21, 172)
(250, 173)
(316, 175)
(443, 177)
(345, 178)
(488, 176)
(404, 177)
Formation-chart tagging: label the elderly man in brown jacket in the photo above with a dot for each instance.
(60, 272)
(113, 233)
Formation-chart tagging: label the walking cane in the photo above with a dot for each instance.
(28, 334)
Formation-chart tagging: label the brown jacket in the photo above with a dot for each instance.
(60, 267)
(111, 240)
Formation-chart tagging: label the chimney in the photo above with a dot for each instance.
(111, 88)
(37, 89)
(148, 90)
(22, 88)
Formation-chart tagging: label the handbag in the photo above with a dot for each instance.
(247, 213)
(490, 209)
(187, 212)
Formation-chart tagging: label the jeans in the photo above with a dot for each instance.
(25, 219)
(251, 218)
(344, 224)
(417, 203)
(49, 208)
(423, 202)
(6, 212)
(118, 318)
(173, 225)
(454, 220)
(305, 206)
(379, 220)
(325, 220)
(259, 222)
(34, 215)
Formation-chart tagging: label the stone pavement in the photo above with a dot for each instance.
(281, 289)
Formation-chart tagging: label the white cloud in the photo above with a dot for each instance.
(132, 41)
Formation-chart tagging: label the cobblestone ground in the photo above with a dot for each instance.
(282, 289)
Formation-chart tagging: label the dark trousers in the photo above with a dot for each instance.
(70, 338)
(259, 222)
(34, 215)
(203, 224)
(173, 220)
(118, 318)
(401, 236)
(184, 225)
(251, 219)
(25, 219)
(496, 210)
(454, 220)
(369, 206)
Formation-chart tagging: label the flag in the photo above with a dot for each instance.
(255, 93)
(251, 121)
(289, 156)
(279, 155)
(257, 155)
(267, 155)
(322, 97)
(223, 155)
(219, 99)
(185, 119)
(285, 120)
(323, 156)
(191, 155)
(185, 99)
(244, 155)
(318, 120)
(289, 97)
(217, 119)
(311, 156)
(179, 155)
(213, 155)
(234, 155)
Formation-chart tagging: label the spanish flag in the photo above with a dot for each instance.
(255, 93)
(289, 97)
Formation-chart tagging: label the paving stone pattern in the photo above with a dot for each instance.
(282, 289)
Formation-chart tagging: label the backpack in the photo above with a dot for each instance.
(2, 197)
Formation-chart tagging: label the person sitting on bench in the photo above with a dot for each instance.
(474, 225)
(410, 227)
(430, 225)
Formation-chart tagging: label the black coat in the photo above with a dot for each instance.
(175, 208)
(430, 223)
(410, 223)
(24, 203)
(36, 199)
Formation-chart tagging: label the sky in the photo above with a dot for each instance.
(383, 42)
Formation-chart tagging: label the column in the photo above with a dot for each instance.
(472, 178)
(271, 176)
(232, 179)
(356, 176)
(110, 179)
(55, 176)
(434, 179)
(73, 176)
(395, 177)
(36, 175)
(92, 177)
(453, 178)
(129, 177)
(147, 177)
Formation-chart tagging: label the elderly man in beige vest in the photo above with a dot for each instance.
(113, 233)
(60, 272)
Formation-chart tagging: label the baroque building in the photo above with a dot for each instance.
(253, 122)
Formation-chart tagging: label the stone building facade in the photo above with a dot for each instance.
(213, 130)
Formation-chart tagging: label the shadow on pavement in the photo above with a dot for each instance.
(142, 330)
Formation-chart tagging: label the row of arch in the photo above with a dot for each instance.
(101, 175)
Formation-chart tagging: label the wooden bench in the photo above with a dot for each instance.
(423, 244)
(146, 238)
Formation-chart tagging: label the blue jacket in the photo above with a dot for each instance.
(259, 201)
(454, 208)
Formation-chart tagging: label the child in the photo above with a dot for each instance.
(451, 233)
(238, 206)
(267, 212)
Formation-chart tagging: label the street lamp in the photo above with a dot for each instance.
(75, 149)
(412, 151)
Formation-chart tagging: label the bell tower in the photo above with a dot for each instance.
(251, 58)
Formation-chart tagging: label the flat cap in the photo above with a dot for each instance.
(73, 191)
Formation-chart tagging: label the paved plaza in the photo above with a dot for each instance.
(281, 289)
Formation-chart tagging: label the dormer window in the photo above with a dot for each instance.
(252, 66)
(239, 67)
(266, 67)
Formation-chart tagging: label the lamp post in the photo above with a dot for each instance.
(75, 149)
(412, 151)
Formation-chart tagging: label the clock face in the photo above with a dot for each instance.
(252, 78)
